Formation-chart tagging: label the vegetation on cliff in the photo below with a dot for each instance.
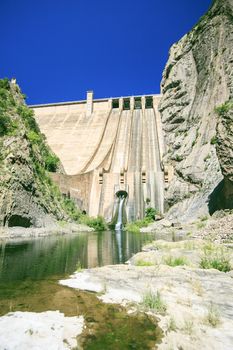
(28, 196)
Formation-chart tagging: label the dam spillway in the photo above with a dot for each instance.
(106, 146)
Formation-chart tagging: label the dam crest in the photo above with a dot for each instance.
(107, 146)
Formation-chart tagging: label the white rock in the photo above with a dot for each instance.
(49, 330)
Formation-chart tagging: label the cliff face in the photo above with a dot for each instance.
(27, 195)
(198, 78)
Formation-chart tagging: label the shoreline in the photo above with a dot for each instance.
(195, 318)
(19, 233)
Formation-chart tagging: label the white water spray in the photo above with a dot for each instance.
(118, 225)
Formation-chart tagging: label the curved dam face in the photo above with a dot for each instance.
(107, 146)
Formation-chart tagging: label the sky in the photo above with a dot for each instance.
(59, 49)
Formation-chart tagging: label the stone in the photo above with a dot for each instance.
(45, 330)
(197, 79)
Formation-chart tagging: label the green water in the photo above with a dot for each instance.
(29, 274)
(61, 255)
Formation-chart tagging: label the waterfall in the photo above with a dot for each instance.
(118, 225)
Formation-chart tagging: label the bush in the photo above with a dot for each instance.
(71, 209)
(135, 226)
(150, 213)
(132, 227)
(98, 223)
(214, 140)
(51, 162)
(178, 158)
(4, 84)
(5, 124)
(28, 117)
(224, 108)
(33, 137)
(215, 258)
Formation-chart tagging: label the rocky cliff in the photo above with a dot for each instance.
(197, 79)
(28, 196)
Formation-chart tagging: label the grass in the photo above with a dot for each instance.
(213, 316)
(152, 301)
(215, 258)
(188, 327)
(143, 263)
(197, 287)
(204, 218)
(201, 225)
(171, 326)
(223, 109)
(175, 261)
(78, 267)
(135, 226)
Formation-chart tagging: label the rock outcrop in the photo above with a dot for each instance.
(197, 79)
(224, 147)
(28, 196)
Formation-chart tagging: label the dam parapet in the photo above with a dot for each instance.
(107, 146)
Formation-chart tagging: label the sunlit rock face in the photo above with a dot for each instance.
(26, 195)
(198, 78)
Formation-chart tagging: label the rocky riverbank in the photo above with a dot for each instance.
(15, 233)
(217, 228)
(194, 305)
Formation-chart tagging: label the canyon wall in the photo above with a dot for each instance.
(198, 77)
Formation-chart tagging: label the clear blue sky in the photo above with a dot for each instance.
(58, 49)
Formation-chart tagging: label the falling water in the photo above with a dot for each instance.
(119, 219)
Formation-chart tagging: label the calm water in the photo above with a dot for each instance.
(29, 274)
(58, 255)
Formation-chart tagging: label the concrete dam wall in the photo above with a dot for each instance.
(107, 146)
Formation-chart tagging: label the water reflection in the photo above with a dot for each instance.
(57, 255)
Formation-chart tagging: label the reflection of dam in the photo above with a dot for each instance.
(58, 255)
(106, 146)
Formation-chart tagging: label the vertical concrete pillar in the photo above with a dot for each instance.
(132, 103)
(89, 103)
(110, 104)
(143, 102)
(121, 103)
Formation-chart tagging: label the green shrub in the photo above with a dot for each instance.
(33, 137)
(98, 223)
(71, 209)
(215, 258)
(28, 117)
(150, 213)
(178, 158)
(214, 140)
(224, 108)
(154, 302)
(4, 84)
(51, 162)
(5, 124)
(132, 227)
(175, 261)
(135, 226)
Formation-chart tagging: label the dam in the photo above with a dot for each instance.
(108, 148)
